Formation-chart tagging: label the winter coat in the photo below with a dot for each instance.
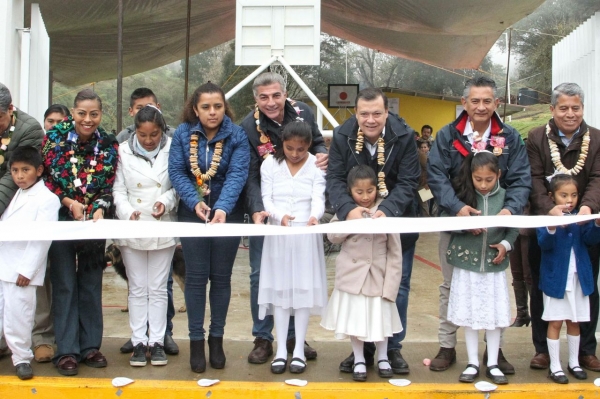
(368, 264)
(138, 186)
(402, 170)
(226, 186)
(472, 252)
(542, 166)
(28, 132)
(449, 150)
(293, 110)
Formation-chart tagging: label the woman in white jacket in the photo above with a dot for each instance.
(142, 191)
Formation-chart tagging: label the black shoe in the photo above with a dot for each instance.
(503, 364)
(295, 369)
(24, 371)
(385, 373)
(216, 355)
(127, 347)
(399, 365)
(157, 355)
(197, 357)
(347, 365)
(263, 349)
(469, 377)
(358, 375)
(577, 372)
(280, 368)
(138, 357)
(171, 347)
(309, 353)
(559, 377)
(496, 379)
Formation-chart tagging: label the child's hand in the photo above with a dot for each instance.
(476, 232)
(22, 281)
(501, 253)
(159, 210)
(312, 221)
(135, 215)
(259, 217)
(287, 220)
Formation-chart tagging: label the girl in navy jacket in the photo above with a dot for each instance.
(566, 277)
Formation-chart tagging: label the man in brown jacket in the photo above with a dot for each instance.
(565, 135)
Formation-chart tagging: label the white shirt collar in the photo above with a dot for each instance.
(373, 147)
(469, 131)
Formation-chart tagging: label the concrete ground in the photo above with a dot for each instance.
(421, 339)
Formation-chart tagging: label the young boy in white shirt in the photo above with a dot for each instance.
(23, 263)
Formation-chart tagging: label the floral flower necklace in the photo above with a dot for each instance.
(202, 178)
(6, 138)
(360, 140)
(72, 138)
(555, 154)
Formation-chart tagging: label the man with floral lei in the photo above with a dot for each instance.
(384, 141)
(478, 127)
(263, 126)
(564, 145)
(16, 129)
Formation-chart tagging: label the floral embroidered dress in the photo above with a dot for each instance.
(82, 171)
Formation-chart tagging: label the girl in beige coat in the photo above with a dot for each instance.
(367, 277)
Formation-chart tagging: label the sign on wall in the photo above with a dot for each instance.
(342, 96)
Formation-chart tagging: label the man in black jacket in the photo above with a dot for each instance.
(264, 126)
(401, 174)
(477, 125)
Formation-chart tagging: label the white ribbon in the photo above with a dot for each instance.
(40, 231)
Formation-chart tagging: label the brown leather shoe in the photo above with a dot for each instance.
(67, 365)
(95, 359)
(443, 360)
(589, 362)
(309, 353)
(263, 349)
(540, 361)
(43, 353)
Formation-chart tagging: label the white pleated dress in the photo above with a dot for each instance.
(292, 271)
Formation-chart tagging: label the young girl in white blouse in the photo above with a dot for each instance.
(292, 277)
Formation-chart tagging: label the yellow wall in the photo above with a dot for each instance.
(417, 111)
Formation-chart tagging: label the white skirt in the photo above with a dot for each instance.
(574, 306)
(368, 318)
(479, 300)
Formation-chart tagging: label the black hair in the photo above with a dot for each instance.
(150, 114)
(422, 141)
(59, 108)
(28, 155)
(558, 181)
(463, 183)
(295, 129)
(87, 94)
(361, 172)
(427, 127)
(189, 115)
(370, 94)
(141, 92)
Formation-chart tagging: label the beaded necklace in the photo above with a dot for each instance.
(360, 140)
(555, 154)
(6, 135)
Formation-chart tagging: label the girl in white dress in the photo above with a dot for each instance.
(479, 291)
(292, 277)
(566, 277)
(368, 271)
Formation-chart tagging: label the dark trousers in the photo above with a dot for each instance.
(539, 328)
(76, 303)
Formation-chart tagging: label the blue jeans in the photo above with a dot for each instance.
(408, 254)
(76, 303)
(261, 328)
(207, 258)
(170, 304)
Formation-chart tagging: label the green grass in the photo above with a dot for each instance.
(534, 116)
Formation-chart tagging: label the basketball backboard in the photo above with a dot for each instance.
(268, 28)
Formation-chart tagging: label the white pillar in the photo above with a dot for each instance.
(11, 18)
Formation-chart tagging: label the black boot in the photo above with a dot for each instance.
(521, 297)
(197, 357)
(215, 352)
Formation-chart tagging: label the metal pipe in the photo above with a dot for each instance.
(310, 94)
(120, 68)
(187, 50)
(506, 89)
(254, 74)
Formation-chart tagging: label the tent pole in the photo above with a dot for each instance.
(187, 50)
(120, 69)
(506, 89)
(254, 74)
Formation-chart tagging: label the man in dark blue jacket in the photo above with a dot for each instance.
(401, 170)
(478, 125)
(264, 126)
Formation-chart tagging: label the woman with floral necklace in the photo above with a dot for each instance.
(80, 160)
(208, 167)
